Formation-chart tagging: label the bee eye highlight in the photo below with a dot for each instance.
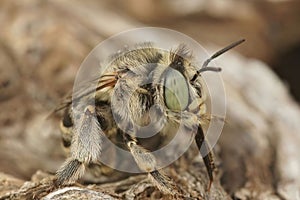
(176, 91)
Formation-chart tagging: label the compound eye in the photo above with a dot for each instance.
(176, 91)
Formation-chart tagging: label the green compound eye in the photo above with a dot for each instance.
(176, 91)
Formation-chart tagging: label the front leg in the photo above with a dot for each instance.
(205, 153)
(85, 147)
(147, 163)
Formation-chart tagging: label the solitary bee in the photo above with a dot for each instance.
(137, 86)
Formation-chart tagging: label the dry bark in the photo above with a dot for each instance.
(257, 153)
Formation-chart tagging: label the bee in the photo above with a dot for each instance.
(138, 85)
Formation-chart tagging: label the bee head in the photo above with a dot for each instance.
(176, 89)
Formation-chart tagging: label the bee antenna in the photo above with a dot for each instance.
(215, 55)
(220, 52)
(214, 69)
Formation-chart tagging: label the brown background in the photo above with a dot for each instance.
(42, 44)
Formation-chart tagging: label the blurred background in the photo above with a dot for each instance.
(42, 44)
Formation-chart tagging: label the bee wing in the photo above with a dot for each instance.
(87, 88)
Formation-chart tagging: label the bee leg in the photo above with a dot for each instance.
(147, 163)
(206, 154)
(85, 147)
(69, 172)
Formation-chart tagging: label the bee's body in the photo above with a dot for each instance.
(138, 87)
